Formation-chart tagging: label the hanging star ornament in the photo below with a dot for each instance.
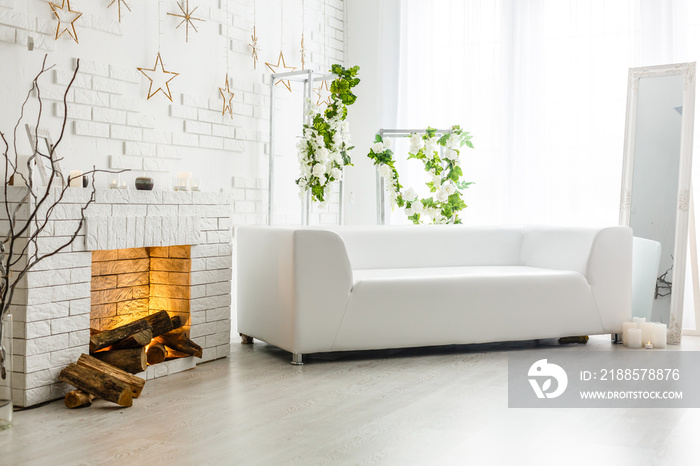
(159, 79)
(254, 48)
(119, 7)
(187, 18)
(66, 19)
(303, 52)
(227, 95)
(324, 94)
(276, 69)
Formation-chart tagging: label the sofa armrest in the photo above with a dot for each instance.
(265, 284)
(323, 282)
(609, 272)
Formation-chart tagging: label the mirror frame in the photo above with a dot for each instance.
(680, 249)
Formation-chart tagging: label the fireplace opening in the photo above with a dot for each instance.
(132, 286)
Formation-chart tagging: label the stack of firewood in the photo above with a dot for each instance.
(118, 353)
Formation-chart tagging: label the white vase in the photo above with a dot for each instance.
(6, 373)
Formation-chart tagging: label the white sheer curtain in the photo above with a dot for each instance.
(541, 84)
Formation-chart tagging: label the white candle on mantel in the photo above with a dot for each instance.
(634, 338)
(639, 320)
(76, 179)
(625, 327)
(647, 330)
(658, 336)
(114, 183)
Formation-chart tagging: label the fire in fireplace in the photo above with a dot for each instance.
(140, 306)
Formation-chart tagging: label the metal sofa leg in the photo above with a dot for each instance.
(616, 338)
(297, 359)
(246, 340)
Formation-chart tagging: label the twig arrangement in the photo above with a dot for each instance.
(26, 208)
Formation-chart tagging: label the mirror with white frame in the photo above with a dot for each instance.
(656, 176)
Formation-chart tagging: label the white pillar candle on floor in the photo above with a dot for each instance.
(76, 179)
(658, 336)
(625, 327)
(647, 330)
(634, 338)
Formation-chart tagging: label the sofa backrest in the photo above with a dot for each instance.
(557, 248)
(431, 246)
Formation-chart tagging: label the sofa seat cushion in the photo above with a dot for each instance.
(394, 308)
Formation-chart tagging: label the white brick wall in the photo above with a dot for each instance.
(52, 309)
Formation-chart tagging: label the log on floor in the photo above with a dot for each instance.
(78, 398)
(97, 383)
(130, 360)
(136, 384)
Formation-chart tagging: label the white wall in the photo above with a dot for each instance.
(372, 42)
(113, 125)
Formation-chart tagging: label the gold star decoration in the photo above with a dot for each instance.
(160, 78)
(276, 69)
(324, 94)
(254, 48)
(66, 19)
(119, 7)
(187, 18)
(227, 95)
(303, 52)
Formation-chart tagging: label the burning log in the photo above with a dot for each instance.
(158, 323)
(97, 383)
(78, 398)
(176, 321)
(137, 340)
(156, 353)
(134, 383)
(131, 360)
(179, 341)
(110, 337)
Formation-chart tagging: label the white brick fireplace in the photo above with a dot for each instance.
(52, 309)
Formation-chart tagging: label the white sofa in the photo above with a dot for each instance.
(309, 290)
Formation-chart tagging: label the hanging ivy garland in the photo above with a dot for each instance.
(325, 145)
(445, 185)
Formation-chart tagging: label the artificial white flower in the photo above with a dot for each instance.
(416, 143)
(417, 207)
(322, 154)
(336, 173)
(449, 188)
(451, 154)
(378, 148)
(385, 171)
(441, 195)
(431, 146)
(453, 141)
(437, 180)
(319, 170)
(410, 195)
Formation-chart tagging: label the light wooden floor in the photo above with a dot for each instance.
(436, 406)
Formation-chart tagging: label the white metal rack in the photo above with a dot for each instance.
(394, 133)
(309, 78)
